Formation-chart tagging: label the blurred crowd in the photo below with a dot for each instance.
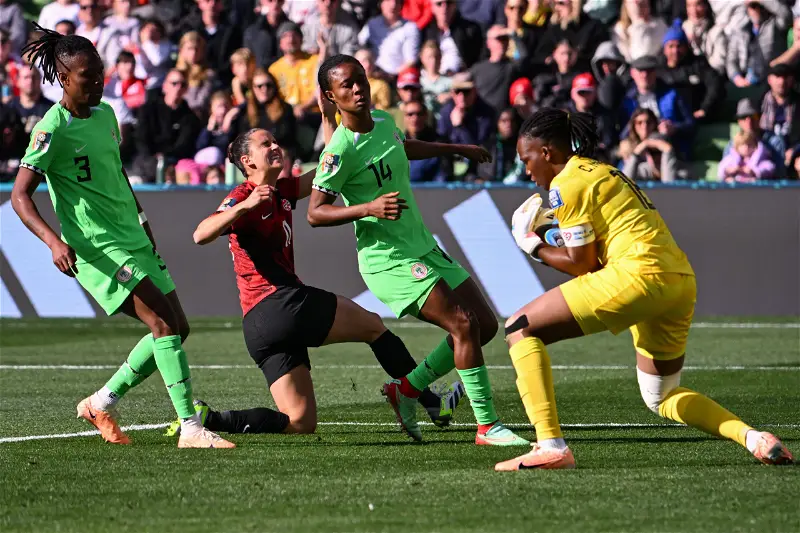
(660, 76)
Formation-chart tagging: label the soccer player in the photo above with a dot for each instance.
(629, 274)
(366, 162)
(106, 242)
(282, 316)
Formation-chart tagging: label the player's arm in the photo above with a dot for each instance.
(573, 260)
(305, 184)
(217, 224)
(27, 180)
(416, 150)
(322, 212)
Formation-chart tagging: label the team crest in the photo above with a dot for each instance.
(287, 206)
(555, 198)
(330, 162)
(419, 271)
(41, 140)
(226, 204)
(124, 274)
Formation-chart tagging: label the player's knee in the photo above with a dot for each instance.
(160, 328)
(374, 325)
(465, 324)
(655, 389)
(184, 330)
(304, 423)
(489, 329)
(516, 323)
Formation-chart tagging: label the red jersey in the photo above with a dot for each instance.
(261, 242)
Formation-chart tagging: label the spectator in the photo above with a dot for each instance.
(361, 10)
(192, 61)
(638, 33)
(66, 27)
(125, 93)
(759, 40)
(456, 36)
(12, 141)
(702, 87)
(96, 30)
(417, 11)
(706, 39)
(243, 66)
(748, 161)
(394, 41)
(213, 176)
(124, 27)
(467, 119)
(584, 100)
(603, 11)
(747, 118)
(520, 94)
(55, 12)
(794, 164)
(568, 22)
(212, 143)
(505, 165)
(780, 113)
(647, 155)
(519, 30)
(30, 105)
(416, 123)
(13, 21)
(494, 75)
(221, 37)
(673, 114)
(408, 85)
(335, 27)
(486, 13)
(299, 11)
(261, 37)
(611, 73)
(538, 13)
(296, 75)
(166, 128)
(435, 86)
(153, 53)
(552, 88)
(669, 10)
(379, 89)
(11, 65)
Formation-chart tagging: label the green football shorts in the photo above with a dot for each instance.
(405, 287)
(111, 278)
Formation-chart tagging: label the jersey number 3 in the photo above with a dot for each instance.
(83, 164)
(646, 203)
(384, 174)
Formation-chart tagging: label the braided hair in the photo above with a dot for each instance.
(569, 132)
(323, 76)
(52, 48)
(239, 147)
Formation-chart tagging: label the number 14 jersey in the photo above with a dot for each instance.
(628, 229)
(91, 197)
(363, 166)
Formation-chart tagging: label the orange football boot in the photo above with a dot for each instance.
(103, 421)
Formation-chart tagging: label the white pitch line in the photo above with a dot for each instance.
(781, 368)
(599, 425)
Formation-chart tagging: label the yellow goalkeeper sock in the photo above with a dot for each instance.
(535, 384)
(701, 412)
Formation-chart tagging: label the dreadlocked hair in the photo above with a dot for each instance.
(52, 48)
(323, 76)
(239, 147)
(569, 132)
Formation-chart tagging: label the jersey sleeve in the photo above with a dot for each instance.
(289, 188)
(334, 167)
(572, 203)
(236, 196)
(40, 151)
(114, 122)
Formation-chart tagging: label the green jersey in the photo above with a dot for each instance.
(363, 166)
(91, 197)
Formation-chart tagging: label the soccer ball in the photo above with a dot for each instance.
(551, 234)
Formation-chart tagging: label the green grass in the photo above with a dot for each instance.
(628, 478)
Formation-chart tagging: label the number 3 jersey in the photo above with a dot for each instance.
(596, 202)
(362, 167)
(91, 197)
(261, 242)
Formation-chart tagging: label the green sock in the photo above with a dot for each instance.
(171, 361)
(137, 368)
(438, 363)
(476, 383)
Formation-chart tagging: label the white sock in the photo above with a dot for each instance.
(104, 399)
(191, 425)
(751, 439)
(553, 444)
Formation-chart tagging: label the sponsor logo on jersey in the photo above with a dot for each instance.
(226, 204)
(41, 140)
(330, 162)
(287, 206)
(419, 271)
(555, 198)
(124, 274)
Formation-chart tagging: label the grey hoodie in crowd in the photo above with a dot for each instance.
(611, 88)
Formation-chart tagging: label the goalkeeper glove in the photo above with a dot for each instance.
(526, 220)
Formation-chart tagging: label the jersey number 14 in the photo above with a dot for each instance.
(384, 174)
(646, 203)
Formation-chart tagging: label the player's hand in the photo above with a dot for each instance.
(479, 154)
(64, 258)
(389, 206)
(526, 220)
(261, 194)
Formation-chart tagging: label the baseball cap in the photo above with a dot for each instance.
(408, 77)
(584, 83)
(520, 86)
(463, 80)
(745, 108)
(645, 63)
(287, 27)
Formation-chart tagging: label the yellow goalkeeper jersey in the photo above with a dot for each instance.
(595, 199)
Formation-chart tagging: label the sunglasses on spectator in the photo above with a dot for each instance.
(264, 86)
(177, 83)
(415, 113)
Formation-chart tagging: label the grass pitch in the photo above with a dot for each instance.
(358, 473)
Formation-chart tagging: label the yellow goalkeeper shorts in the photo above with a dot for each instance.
(657, 308)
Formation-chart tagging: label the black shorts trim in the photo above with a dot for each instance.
(280, 328)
